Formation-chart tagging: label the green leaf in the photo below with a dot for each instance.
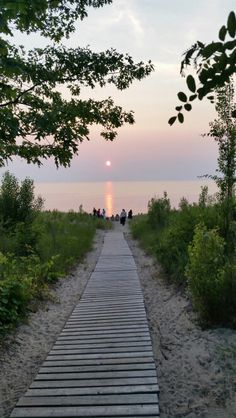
(172, 120)
(229, 45)
(231, 24)
(211, 48)
(222, 33)
(193, 97)
(188, 107)
(181, 117)
(182, 96)
(191, 83)
(222, 61)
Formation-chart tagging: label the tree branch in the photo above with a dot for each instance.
(16, 100)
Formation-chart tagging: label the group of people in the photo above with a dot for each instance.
(99, 213)
(122, 217)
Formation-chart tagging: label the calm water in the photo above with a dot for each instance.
(113, 196)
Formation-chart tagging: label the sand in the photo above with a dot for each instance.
(196, 368)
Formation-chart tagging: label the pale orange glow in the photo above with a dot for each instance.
(108, 163)
(109, 198)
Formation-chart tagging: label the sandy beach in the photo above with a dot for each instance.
(196, 368)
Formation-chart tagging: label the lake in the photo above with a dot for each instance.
(113, 196)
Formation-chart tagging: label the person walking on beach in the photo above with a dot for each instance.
(123, 217)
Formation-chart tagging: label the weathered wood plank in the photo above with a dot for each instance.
(97, 313)
(100, 355)
(100, 361)
(99, 367)
(106, 332)
(122, 338)
(97, 411)
(96, 375)
(107, 327)
(94, 382)
(91, 400)
(95, 345)
(103, 390)
(113, 337)
(102, 321)
(86, 351)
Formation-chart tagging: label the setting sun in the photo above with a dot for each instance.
(108, 163)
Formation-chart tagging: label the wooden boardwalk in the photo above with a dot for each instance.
(101, 364)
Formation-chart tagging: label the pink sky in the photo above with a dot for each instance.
(151, 149)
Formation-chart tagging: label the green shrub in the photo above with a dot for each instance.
(159, 211)
(141, 230)
(227, 276)
(17, 201)
(205, 273)
(14, 296)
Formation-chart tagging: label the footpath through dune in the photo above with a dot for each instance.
(196, 368)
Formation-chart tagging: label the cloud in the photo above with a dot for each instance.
(123, 14)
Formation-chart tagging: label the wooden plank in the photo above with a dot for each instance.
(96, 345)
(77, 411)
(99, 361)
(108, 320)
(99, 356)
(113, 374)
(108, 315)
(91, 400)
(94, 382)
(109, 310)
(99, 367)
(100, 333)
(115, 303)
(97, 350)
(135, 336)
(139, 389)
(128, 326)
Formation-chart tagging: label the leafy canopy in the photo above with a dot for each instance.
(36, 121)
(53, 18)
(214, 64)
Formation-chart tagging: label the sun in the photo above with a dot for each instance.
(108, 163)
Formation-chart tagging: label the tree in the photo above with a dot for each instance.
(53, 18)
(36, 121)
(214, 64)
(18, 203)
(223, 130)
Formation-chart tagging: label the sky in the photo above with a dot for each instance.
(159, 30)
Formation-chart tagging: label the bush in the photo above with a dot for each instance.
(227, 275)
(68, 236)
(159, 211)
(205, 273)
(191, 246)
(17, 201)
(14, 296)
(141, 230)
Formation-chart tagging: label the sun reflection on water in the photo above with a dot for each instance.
(109, 198)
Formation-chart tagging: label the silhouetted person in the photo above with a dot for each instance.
(123, 217)
(130, 214)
